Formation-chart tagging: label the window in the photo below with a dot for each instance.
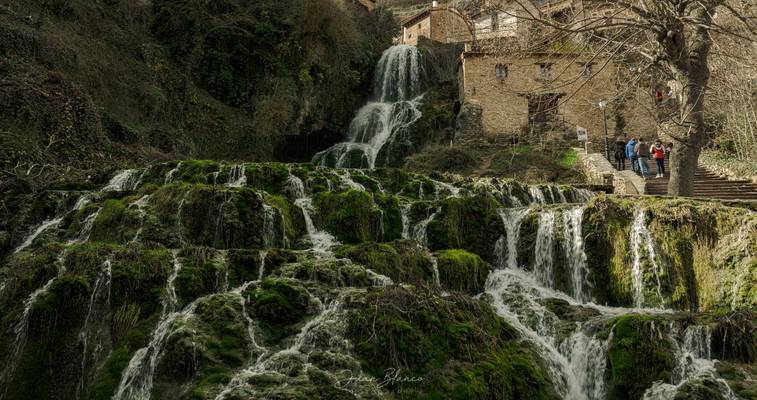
(545, 72)
(587, 70)
(495, 22)
(501, 71)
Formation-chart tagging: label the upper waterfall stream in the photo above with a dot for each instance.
(395, 106)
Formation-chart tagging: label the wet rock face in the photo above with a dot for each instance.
(203, 280)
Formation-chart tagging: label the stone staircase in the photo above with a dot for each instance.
(707, 184)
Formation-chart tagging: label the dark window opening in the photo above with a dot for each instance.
(587, 70)
(501, 71)
(545, 71)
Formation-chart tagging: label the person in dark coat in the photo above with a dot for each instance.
(620, 154)
(631, 154)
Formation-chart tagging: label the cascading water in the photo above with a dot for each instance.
(642, 248)
(693, 365)
(574, 253)
(506, 248)
(348, 182)
(137, 378)
(171, 173)
(93, 330)
(405, 217)
(544, 249)
(321, 241)
(397, 87)
(22, 327)
(237, 177)
(420, 231)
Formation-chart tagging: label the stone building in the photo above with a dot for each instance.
(550, 94)
(443, 24)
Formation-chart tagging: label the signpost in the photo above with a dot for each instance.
(583, 135)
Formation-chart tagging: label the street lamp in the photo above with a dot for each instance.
(603, 107)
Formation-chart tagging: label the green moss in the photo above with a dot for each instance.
(462, 271)
(202, 272)
(269, 177)
(351, 216)
(639, 354)
(278, 303)
(457, 345)
(294, 222)
(403, 261)
(139, 276)
(115, 223)
(469, 223)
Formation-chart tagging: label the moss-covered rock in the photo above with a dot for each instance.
(638, 354)
(403, 261)
(462, 271)
(456, 345)
(469, 223)
(352, 216)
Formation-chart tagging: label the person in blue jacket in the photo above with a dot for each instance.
(631, 154)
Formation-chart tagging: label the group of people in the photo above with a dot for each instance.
(638, 152)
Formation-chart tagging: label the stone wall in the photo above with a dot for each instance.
(599, 171)
(505, 100)
(419, 28)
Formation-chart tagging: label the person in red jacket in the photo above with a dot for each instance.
(658, 152)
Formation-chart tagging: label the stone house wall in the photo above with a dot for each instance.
(505, 99)
(440, 24)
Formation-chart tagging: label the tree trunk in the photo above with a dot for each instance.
(683, 166)
(688, 138)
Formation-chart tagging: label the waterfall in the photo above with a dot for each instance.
(140, 205)
(397, 86)
(641, 244)
(348, 182)
(324, 333)
(126, 180)
(218, 236)
(137, 379)
(49, 224)
(237, 177)
(261, 266)
(405, 217)
(99, 306)
(179, 225)
(22, 327)
(321, 241)
(171, 173)
(270, 218)
(544, 249)
(435, 271)
(254, 346)
(693, 365)
(21, 330)
(420, 231)
(537, 196)
(575, 255)
(86, 229)
(506, 249)
(450, 190)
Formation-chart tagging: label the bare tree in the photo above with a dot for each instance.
(667, 40)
